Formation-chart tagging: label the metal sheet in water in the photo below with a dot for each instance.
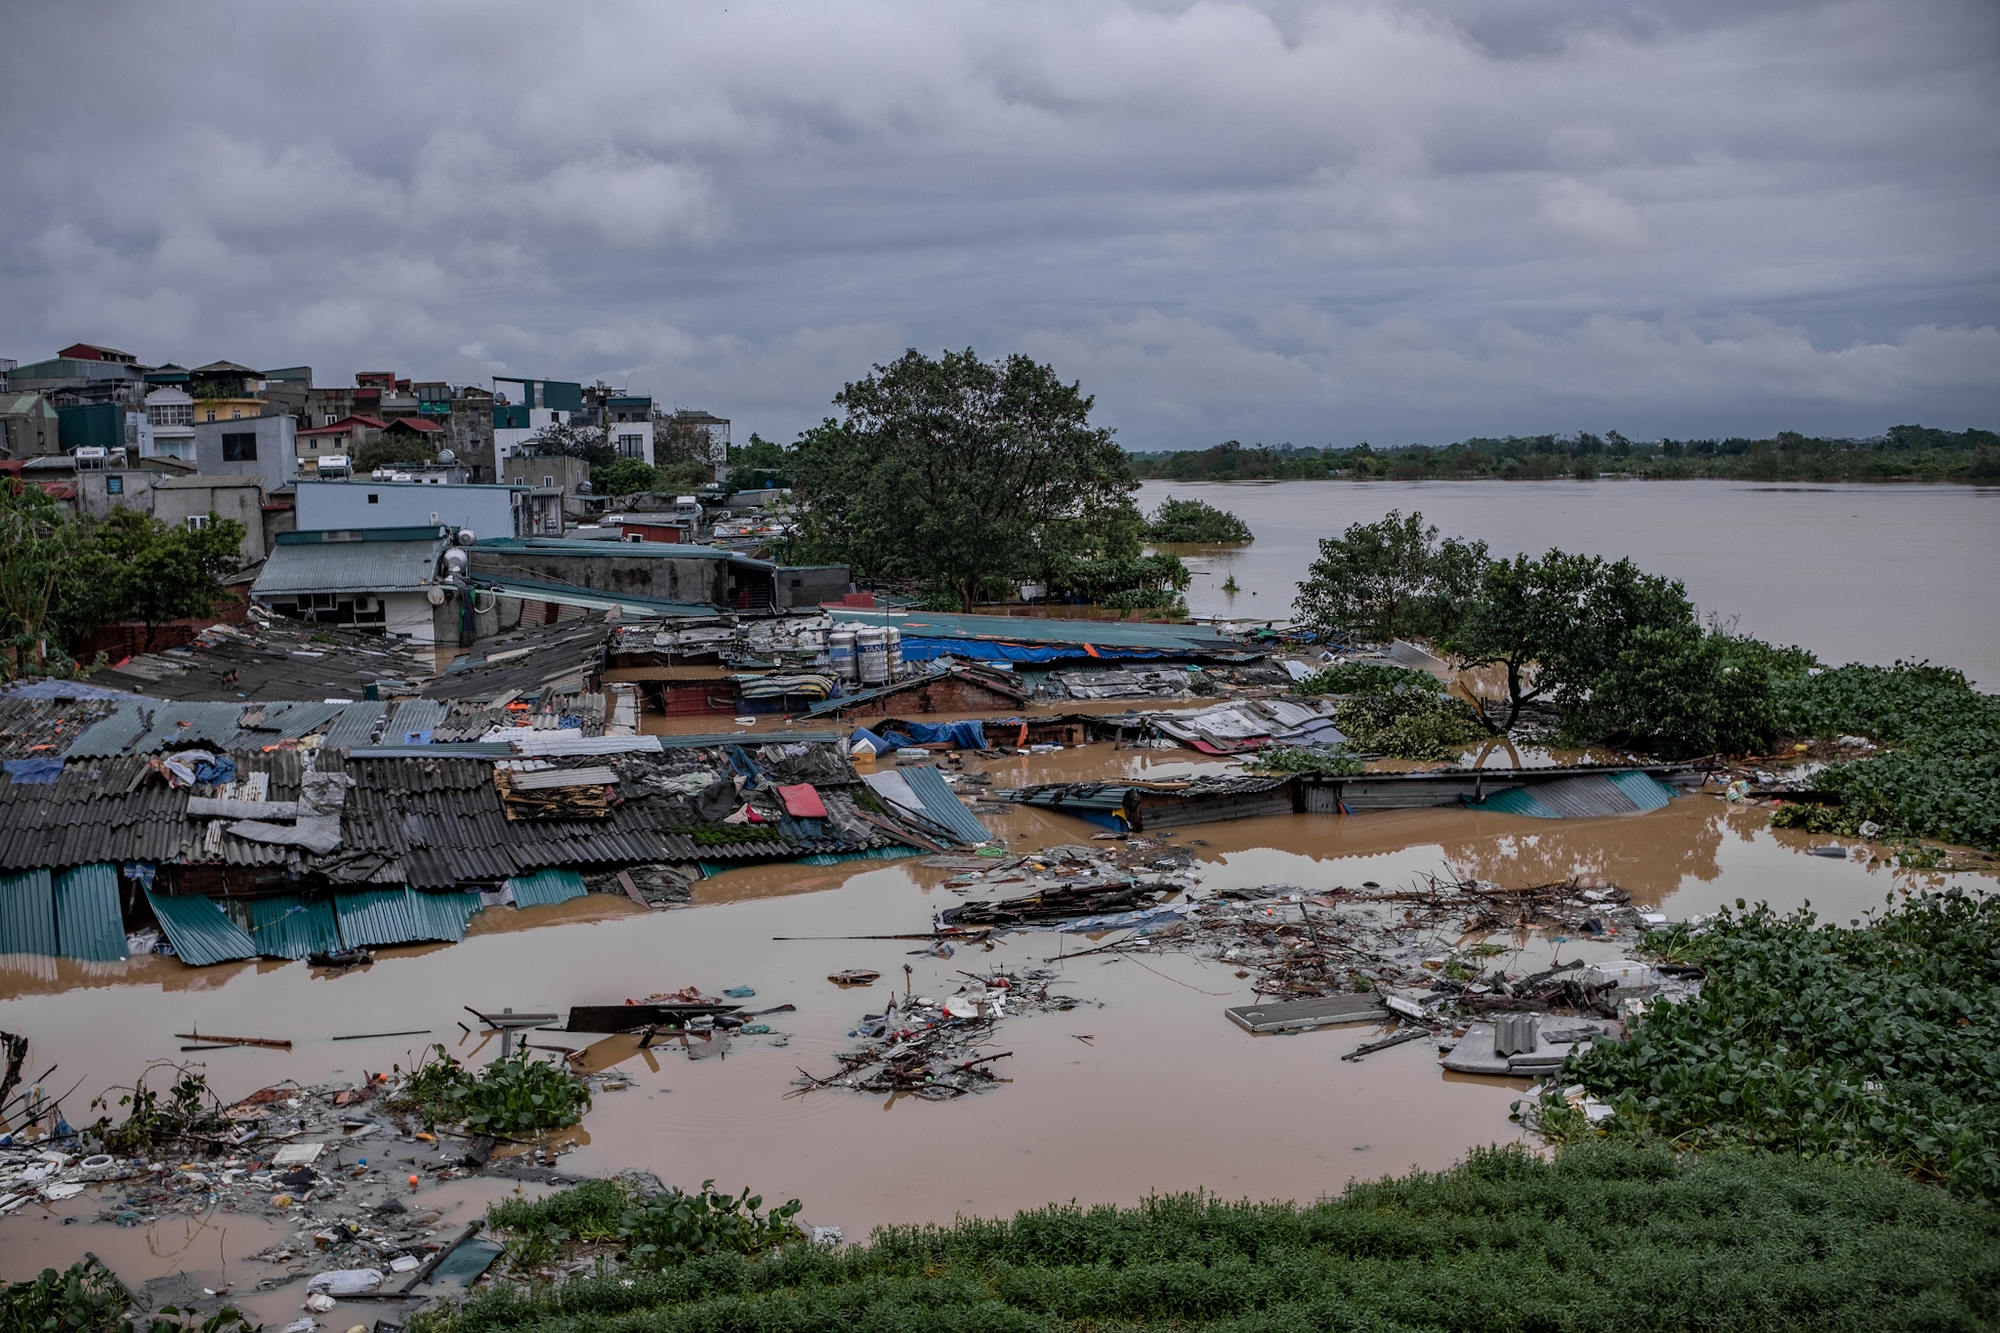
(199, 930)
(545, 887)
(290, 927)
(90, 924)
(402, 916)
(27, 913)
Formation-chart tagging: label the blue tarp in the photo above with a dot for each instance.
(965, 735)
(986, 650)
(28, 772)
(882, 744)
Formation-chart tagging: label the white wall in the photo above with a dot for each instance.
(323, 505)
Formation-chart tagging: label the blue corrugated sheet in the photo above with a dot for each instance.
(289, 927)
(199, 930)
(838, 858)
(414, 715)
(941, 803)
(1584, 796)
(90, 923)
(402, 916)
(110, 736)
(27, 913)
(545, 887)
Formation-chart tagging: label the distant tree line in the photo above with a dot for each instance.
(1903, 453)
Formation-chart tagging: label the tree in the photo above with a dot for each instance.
(952, 470)
(1195, 521)
(677, 439)
(1678, 692)
(626, 476)
(391, 450)
(1389, 578)
(1103, 560)
(39, 545)
(165, 572)
(557, 440)
(1558, 624)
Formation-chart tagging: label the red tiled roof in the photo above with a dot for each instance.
(417, 423)
(346, 424)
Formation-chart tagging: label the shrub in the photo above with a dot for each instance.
(1195, 521)
(1304, 759)
(673, 1227)
(512, 1095)
(1409, 723)
(1364, 678)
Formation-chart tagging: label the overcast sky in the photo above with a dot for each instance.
(1315, 223)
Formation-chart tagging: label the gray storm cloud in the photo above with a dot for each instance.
(1304, 222)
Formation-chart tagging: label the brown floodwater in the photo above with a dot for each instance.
(1856, 573)
(1146, 1086)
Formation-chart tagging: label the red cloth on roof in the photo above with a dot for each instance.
(802, 802)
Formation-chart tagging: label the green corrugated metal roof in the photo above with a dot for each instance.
(1038, 629)
(568, 595)
(1516, 801)
(90, 923)
(545, 887)
(289, 927)
(1647, 792)
(402, 916)
(335, 567)
(199, 930)
(27, 913)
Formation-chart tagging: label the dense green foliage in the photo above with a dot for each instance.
(1364, 678)
(1195, 521)
(390, 450)
(950, 471)
(676, 1226)
(590, 1211)
(60, 578)
(514, 1095)
(88, 1298)
(1904, 453)
(1942, 780)
(1378, 581)
(1303, 759)
(760, 464)
(1878, 1040)
(1605, 1237)
(1409, 723)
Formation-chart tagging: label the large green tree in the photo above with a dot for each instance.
(954, 470)
(1559, 624)
(39, 572)
(1390, 578)
(164, 571)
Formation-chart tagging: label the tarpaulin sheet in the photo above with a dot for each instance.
(802, 802)
(966, 735)
(883, 744)
(26, 772)
(985, 650)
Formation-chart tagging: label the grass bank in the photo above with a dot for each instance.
(1607, 1236)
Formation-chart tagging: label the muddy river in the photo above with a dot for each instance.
(1145, 1086)
(1855, 573)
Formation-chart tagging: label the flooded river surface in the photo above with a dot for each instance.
(1855, 573)
(1143, 1087)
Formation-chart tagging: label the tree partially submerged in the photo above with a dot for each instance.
(1389, 579)
(955, 470)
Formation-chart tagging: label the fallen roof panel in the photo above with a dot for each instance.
(90, 924)
(200, 931)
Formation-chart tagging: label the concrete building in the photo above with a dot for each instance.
(640, 572)
(226, 391)
(170, 410)
(195, 501)
(389, 579)
(264, 447)
(344, 438)
(29, 426)
(69, 381)
(716, 431)
(628, 427)
(488, 511)
(523, 406)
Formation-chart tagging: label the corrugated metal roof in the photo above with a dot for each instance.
(544, 887)
(302, 719)
(356, 725)
(27, 914)
(1645, 791)
(398, 566)
(1034, 629)
(563, 594)
(90, 923)
(289, 927)
(200, 931)
(1584, 796)
(414, 715)
(942, 804)
(113, 734)
(402, 916)
(142, 726)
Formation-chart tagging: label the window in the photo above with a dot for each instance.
(374, 498)
(548, 481)
(114, 485)
(197, 521)
(211, 414)
(632, 446)
(239, 447)
(330, 419)
(235, 413)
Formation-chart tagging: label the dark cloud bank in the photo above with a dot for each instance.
(1315, 223)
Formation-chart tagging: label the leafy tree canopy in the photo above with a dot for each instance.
(391, 450)
(1391, 578)
(953, 470)
(1195, 521)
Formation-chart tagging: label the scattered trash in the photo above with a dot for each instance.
(859, 976)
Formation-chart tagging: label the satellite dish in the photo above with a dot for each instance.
(583, 488)
(447, 457)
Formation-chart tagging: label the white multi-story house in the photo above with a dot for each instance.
(170, 413)
(522, 406)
